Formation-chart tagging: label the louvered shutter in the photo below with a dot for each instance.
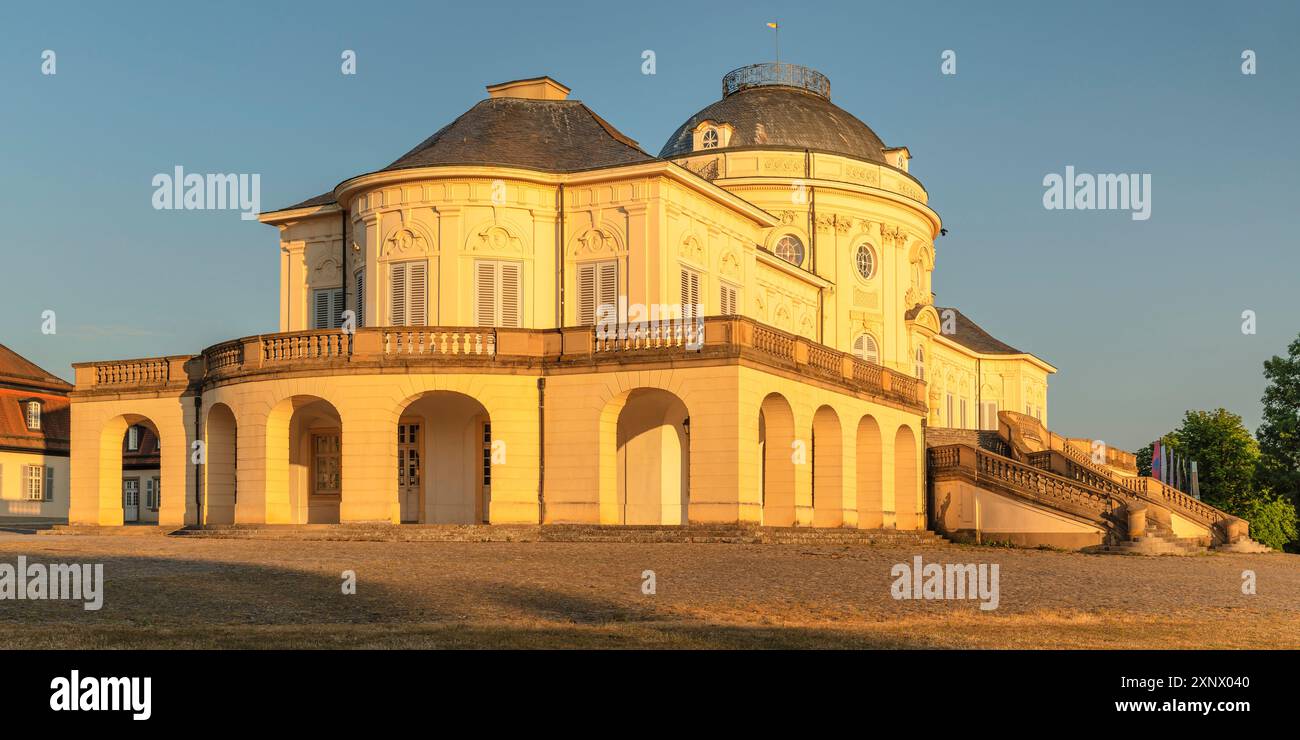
(690, 294)
(587, 294)
(607, 289)
(321, 309)
(417, 289)
(336, 307)
(49, 483)
(485, 293)
(511, 302)
(360, 297)
(397, 291)
(865, 348)
(728, 300)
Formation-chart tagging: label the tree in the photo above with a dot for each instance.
(1279, 432)
(1226, 455)
(1144, 459)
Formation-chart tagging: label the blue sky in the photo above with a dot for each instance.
(1142, 317)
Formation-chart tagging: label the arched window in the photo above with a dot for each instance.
(34, 415)
(790, 249)
(865, 261)
(710, 139)
(920, 363)
(865, 347)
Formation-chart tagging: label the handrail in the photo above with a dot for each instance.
(709, 338)
(1025, 479)
(1082, 468)
(150, 371)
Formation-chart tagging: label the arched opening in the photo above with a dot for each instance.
(304, 462)
(653, 459)
(870, 468)
(779, 451)
(907, 490)
(828, 475)
(444, 460)
(131, 468)
(220, 465)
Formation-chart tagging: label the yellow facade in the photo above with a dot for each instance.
(474, 387)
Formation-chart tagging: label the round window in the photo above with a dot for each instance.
(865, 260)
(790, 249)
(711, 139)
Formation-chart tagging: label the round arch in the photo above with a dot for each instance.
(870, 474)
(128, 444)
(827, 469)
(304, 462)
(908, 507)
(220, 465)
(778, 450)
(445, 454)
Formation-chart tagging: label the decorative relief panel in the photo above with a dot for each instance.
(692, 250)
(595, 242)
(495, 238)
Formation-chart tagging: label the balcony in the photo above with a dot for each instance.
(719, 340)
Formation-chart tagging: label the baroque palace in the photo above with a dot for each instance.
(462, 341)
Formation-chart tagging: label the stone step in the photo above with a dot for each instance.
(638, 534)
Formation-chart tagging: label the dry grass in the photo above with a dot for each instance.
(177, 593)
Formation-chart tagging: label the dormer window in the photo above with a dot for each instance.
(133, 438)
(710, 139)
(34, 415)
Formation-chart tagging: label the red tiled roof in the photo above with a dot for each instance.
(52, 437)
(147, 454)
(18, 370)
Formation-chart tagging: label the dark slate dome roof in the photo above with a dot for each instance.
(781, 106)
(550, 135)
(529, 129)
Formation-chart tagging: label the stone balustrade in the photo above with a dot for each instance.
(730, 337)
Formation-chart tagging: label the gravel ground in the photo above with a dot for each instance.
(175, 592)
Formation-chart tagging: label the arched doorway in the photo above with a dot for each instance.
(907, 490)
(220, 465)
(870, 474)
(777, 443)
(444, 460)
(304, 462)
(828, 475)
(131, 462)
(653, 459)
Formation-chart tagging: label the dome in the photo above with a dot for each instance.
(781, 106)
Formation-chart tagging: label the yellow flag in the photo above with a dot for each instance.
(772, 24)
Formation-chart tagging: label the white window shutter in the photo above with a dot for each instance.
(485, 293)
(397, 290)
(511, 303)
(587, 293)
(727, 300)
(607, 290)
(417, 290)
(690, 293)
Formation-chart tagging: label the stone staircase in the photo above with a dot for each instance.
(1159, 539)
